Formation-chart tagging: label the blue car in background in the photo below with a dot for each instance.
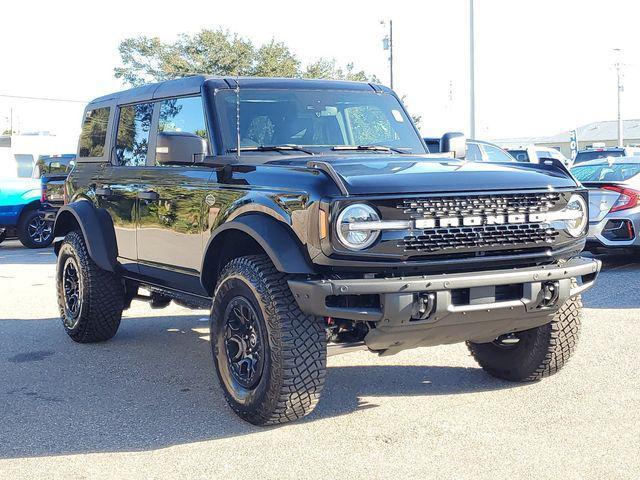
(19, 212)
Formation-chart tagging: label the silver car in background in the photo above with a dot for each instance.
(614, 201)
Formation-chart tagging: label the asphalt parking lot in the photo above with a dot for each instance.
(147, 402)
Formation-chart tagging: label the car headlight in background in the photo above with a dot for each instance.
(354, 227)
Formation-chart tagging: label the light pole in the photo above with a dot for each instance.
(472, 74)
(387, 44)
(618, 66)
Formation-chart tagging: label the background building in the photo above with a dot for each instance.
(601, 132)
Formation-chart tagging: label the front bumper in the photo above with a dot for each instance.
(601, 233)
(465, 306)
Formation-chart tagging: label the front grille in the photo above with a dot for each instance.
(499, 204)
(482, 236)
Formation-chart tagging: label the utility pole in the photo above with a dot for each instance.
(618, 66)
(472, 74)
(387, 44)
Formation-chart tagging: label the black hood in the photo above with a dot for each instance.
(377, 174)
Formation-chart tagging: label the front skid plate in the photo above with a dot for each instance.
(482, 319)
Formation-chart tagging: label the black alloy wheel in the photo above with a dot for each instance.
(72, 292)
(244, 342)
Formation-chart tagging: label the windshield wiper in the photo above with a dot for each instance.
(272, 148)
(371, 148)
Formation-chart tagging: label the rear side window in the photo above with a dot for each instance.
(132, 141)
(94, 132)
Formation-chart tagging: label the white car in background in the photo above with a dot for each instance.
(533, 153)
(477, 150)
(614, 201)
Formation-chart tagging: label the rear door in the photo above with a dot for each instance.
(119, 181)
(172, 201)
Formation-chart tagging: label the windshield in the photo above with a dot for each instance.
(319, 119)
(596, 154)
(606, 172)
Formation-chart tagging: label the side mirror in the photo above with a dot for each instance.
(455, 143)
(179, 147)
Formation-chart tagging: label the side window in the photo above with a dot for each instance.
(94, 132)
(473, 153)
(183, 115)
(496, 155)
(132, 142)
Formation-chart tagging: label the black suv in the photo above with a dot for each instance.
(309, 217)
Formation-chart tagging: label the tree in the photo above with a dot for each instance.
(220, 52)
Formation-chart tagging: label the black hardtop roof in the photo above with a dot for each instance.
(192, 86)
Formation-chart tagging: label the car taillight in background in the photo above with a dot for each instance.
(43, 193)
(628, 198)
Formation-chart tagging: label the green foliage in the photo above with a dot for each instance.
(220, 52)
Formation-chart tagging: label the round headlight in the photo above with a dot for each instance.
(577, 208)
(352, 235)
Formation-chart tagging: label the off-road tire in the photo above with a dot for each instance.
(540, 352)
(294, 367)
(101, 294)
(23, 231)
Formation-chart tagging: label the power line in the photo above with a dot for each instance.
(47, 99)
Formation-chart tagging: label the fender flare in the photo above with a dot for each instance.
(96, 227)
(270, 234)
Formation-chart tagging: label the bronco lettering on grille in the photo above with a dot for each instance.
(477, 220)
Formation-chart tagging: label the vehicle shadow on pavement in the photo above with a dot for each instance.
(153, 386)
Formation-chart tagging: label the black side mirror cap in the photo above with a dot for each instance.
(179, 147)
(454, 142)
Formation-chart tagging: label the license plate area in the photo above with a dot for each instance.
(486, 294)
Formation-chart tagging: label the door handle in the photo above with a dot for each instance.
(103, 192)
(149, 195)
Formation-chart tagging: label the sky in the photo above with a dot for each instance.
(542, 66)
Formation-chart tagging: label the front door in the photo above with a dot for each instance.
(171, 203)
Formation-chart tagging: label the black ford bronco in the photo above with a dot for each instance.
(310, 218)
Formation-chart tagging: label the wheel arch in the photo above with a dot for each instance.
(96, 227)
(250, 234)
(27, 207)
